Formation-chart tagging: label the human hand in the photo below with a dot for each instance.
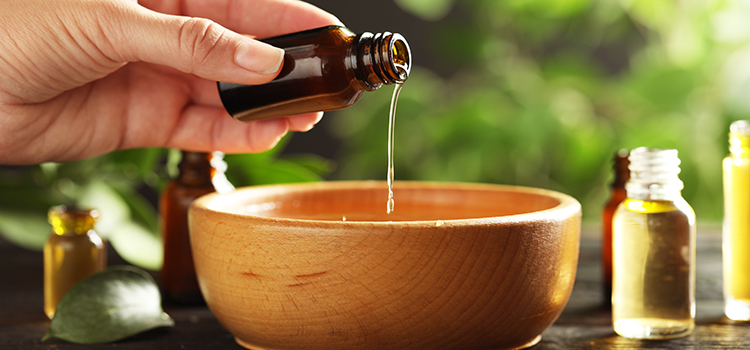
(79, 78)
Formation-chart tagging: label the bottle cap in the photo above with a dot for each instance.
(654, 174)
(66, 219)
(739, 137)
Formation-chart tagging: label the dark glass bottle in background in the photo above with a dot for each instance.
(200, 174)
(618, 194)
(324, 69)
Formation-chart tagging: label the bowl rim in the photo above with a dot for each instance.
(567, 207)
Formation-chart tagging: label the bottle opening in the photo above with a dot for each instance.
(401, 58)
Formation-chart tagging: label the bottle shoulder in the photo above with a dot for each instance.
(656, 206)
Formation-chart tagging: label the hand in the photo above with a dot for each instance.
(79, 78)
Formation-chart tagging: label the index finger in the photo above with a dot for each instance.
(261, 18)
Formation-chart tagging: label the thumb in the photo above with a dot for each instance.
(197, 46)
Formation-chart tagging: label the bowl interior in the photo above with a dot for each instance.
(366, 201)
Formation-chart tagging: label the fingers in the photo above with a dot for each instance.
(304, 122)
(192, 45)
(261, 18)
(210, 129)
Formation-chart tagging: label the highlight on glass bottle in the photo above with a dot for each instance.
(618, 194)
(736, 230)
(71, 253)
(653, 243)
(199, 173)
(324, 69)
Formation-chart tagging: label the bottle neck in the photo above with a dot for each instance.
(198, 169)
(71, 221)
(195, 169)
(620, 168)
(739, 138)
(382, 58)
(654, 174)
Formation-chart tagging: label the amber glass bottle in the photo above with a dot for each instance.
(200, 173)
(622, 175)
(324, 69)
(72, 252)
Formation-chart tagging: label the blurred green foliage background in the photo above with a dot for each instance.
(542, 93)
(548, 90)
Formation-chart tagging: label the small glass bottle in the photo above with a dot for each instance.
(736, 232)
(200, 173)
(653, 244)
(622, 175)
(324, 69)
(72, 252)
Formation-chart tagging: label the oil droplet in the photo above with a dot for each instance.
(343, 218)
(439, 223)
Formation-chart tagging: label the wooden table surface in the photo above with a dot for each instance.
(585, 323)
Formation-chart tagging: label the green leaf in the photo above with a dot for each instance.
(429, 10)
(137, 245)
(111, 305)
(26, 229)
(113, 208)
(142, 211)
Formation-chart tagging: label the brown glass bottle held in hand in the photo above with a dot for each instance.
(622, 175)
(200, 173)
(73, 252)
(324, 69)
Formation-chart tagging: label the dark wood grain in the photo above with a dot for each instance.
(585, 323)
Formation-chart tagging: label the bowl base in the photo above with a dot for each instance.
(255, 347)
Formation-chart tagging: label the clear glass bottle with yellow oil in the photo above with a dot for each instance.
(736, 232)
(72, 252)
(653, 243)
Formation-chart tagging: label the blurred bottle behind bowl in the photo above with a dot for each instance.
(736, 231)
(618, 194)
(324, 69)
(72, 252)
(199, 174)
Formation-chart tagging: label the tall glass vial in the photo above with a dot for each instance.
(324, 69)
(199, 174)
(653, 243)
(72, 252)
(622, 175)
(736, 235)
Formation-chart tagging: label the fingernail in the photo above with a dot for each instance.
(259, 57)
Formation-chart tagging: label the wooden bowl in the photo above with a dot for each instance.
(322, 266)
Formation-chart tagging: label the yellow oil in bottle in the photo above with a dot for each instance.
(736, 232)
(72, 252)
(653, 242)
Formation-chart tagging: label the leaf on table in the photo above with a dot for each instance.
(108, 306)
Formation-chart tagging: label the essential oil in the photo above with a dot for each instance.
(73, 252)
(736, 231)
(391, 135)
(618, 194)
(200, 174)
(653, 244)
